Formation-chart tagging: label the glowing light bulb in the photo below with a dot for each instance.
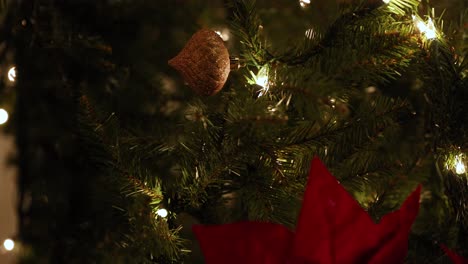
(310, 33)
(419, 23)
(460, 168)
(224, 34)
(162, 212)
(304, 3)
(3, 116)
(431, 32)
(427, 29)
(459, 165)
(371, 89)
(386, 1)
(262, 80)
(12, 74)
(9, 244)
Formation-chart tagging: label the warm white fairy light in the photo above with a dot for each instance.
(386, 1)
(431, 32)
(459, 164)
(162, 212)
(427, 29)
(460, 168)
(3, 116)
(272, 109)
(310, 33)
(304, 3)
(9, 244)
(419, 23)
(371, 89)
(224, 34)
(12, 74)
(262, 80)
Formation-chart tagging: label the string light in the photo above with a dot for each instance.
(9, 244)
(386, 1)
(224, 34)
(272, 109)
(459, 165)
(427, 29)
(304, 3)
(3, 116)
(371, 89)
(162, 212)
(310, 33)
(262, 80)
(12, 74)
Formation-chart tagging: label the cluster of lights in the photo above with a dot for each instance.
(426, 28)
(3, 113)
(456, 164)
(8, 244)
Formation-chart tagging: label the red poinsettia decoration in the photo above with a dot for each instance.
(456, 259)
(332, 228)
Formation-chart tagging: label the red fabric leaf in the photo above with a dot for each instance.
(395, 249)
(342, 231)
(245, 242)
(327, 211)
(453, 256)
(332, 228)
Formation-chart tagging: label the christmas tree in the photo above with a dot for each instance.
(135, 120)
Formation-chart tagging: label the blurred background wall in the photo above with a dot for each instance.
(7, 197)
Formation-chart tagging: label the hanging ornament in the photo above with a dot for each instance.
(203, 63)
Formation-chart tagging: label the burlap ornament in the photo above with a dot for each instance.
(203, 63)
